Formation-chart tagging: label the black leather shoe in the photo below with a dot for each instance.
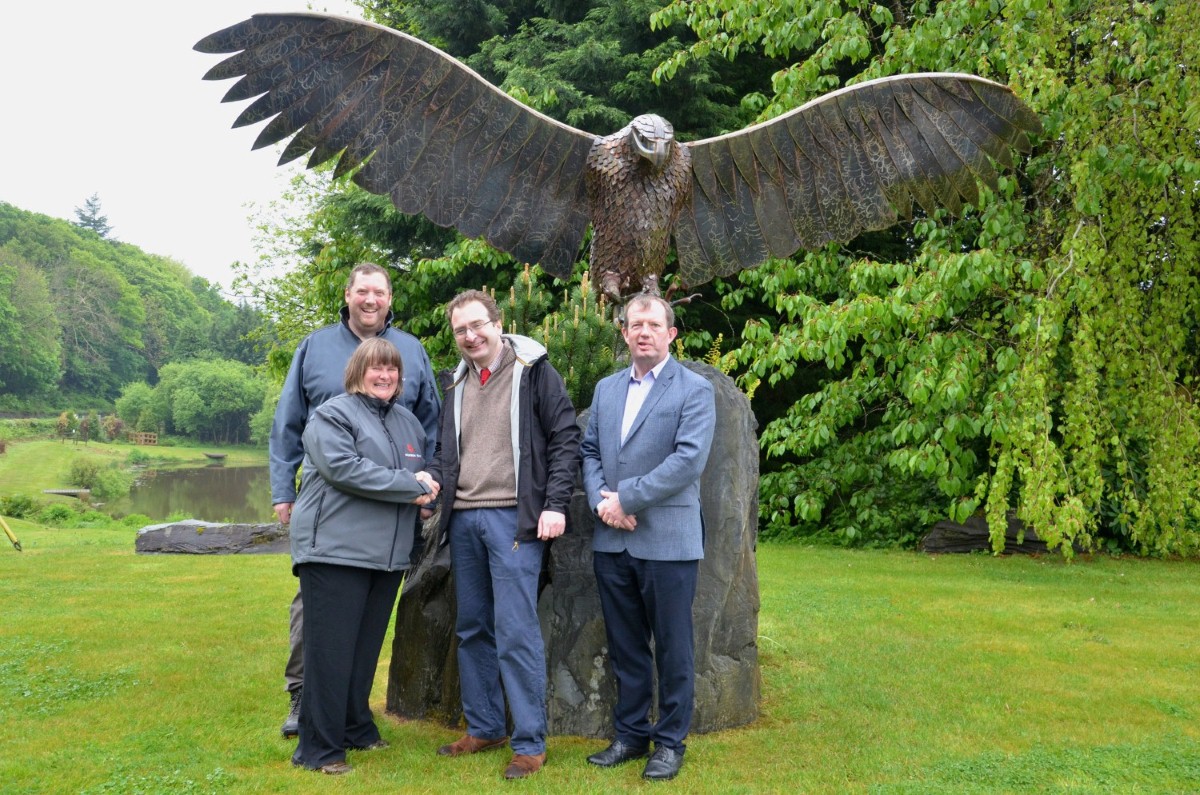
(664, 765)
(617, 753)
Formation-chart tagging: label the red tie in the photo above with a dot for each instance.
(484, 374)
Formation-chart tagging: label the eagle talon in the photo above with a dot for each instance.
(610, 286)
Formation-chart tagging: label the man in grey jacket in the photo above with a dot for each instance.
(645, 447)
(314, 377)
(507, 458)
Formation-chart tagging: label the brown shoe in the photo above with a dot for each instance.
(470, 745)
(523, 765)
(335, 769)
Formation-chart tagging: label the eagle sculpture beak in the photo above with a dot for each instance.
(656, 152)
(652, 138)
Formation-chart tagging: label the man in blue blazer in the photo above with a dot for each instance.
(645, 447)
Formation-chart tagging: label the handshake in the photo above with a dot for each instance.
(431, 484)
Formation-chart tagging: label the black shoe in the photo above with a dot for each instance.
(663, 765)
(617, 753)
(291, 725)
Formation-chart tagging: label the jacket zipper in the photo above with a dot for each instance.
(398, 463)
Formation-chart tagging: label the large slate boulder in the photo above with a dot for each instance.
(423, 680)
(423, 674)
(192, 536)
(973, 536)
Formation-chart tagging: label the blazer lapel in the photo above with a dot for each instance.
(614, 399)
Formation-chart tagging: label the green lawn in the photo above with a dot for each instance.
(882, 672)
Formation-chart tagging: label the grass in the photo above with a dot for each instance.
(883, 672)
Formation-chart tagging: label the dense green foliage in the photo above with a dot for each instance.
(105, 481)
(1037, 355)
(210, 400)
(30, 347)
(81, 315)
(587, 63)
(19, 506)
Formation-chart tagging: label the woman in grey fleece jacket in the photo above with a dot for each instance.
(351, 532)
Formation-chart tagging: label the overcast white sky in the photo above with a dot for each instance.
(105, 97)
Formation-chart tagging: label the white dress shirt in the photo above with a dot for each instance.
(638, 390)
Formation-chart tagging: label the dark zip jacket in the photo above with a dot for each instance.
(545, 439)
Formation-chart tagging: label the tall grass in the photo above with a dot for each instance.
(882, 673)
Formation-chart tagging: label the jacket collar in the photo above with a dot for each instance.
(375, 404)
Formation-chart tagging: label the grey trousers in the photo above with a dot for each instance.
(293, 674)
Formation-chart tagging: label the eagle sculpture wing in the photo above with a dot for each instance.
(441, 141)
(851, 161)
(435, 137)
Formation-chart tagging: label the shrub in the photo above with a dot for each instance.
(136, 521)
(84, 472)
(104, 482)
(57, 515)
(94, 430)
(19, 506)
(67, 424)
(21, 428)
(112, 482)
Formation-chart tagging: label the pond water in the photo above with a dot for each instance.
(211, 494)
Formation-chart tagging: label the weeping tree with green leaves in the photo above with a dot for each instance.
(1038, 354)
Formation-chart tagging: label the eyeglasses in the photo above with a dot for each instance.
(474, 328)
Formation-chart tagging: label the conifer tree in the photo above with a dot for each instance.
(90, 217)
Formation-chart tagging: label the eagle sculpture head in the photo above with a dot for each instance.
(652, 137)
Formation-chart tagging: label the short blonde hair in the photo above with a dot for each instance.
(371, 352)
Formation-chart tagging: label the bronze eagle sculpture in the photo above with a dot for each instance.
(439, 140)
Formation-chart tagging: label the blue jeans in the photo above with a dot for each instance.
(499, 638)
